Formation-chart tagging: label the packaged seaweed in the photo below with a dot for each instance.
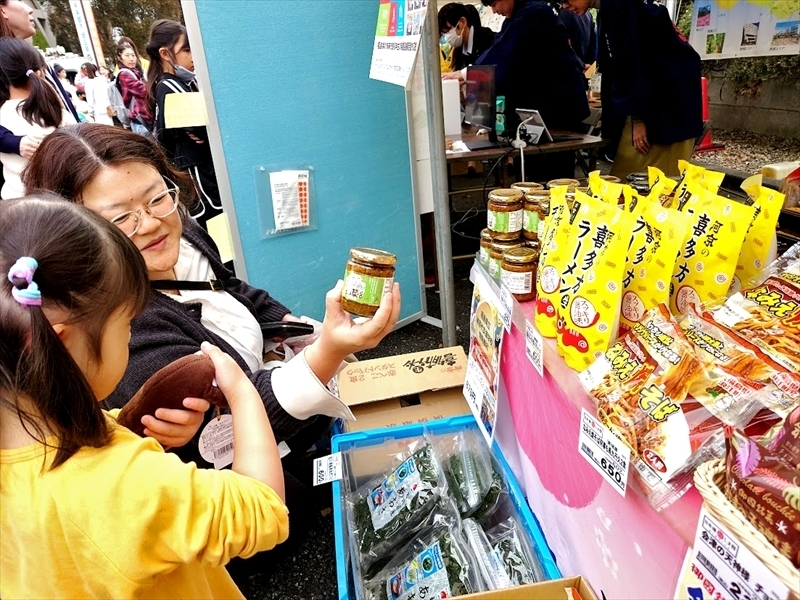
(494, 497)
(510, 540)
(466, 462)
(489, 562)
(391, 508)
(437, 564)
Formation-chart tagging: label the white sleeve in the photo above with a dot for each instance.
(302, 395)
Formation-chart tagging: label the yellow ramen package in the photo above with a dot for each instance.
(661, 186)
(658, 236)
(712, 180)
(590, 289)
(689, 174)
(759, 248)
(552, 256)
(705, 267)
(607, 191)
(631, 198)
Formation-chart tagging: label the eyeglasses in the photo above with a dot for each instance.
(159, 207)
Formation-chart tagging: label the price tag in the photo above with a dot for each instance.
(328, 468)
(534, 347)
(727, 569)
(216, 441)
(506, 307)
(604, 451)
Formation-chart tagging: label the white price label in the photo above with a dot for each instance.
(604, 451)
(328, 468)
(216, 441)
(727, 568)
(534, 347)
(506, 307)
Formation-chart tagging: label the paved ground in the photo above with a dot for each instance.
(748, 152)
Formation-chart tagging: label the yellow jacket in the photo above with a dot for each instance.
(127, 521)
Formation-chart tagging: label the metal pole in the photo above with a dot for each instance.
(429, 46)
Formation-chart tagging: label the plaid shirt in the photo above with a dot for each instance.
(132, 85)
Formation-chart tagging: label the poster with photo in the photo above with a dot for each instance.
(736, 28)
(397, 39)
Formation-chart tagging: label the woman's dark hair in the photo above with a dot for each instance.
(69, 159)
(125, 43)
(450, 14)
(42, 105)
(91, 70)
(5, 28)
(87, 268)
(164, 33)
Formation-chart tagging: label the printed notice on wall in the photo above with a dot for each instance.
(397, 39)
(289, 198)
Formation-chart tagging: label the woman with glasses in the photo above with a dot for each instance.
(127, 179)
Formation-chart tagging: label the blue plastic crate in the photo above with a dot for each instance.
(375, 437)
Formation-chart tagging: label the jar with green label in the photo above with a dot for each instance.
(486, 244)
(504, 214)
(544, 212)
(368, 277)
(496, 254)
(518, 272)
(526, 187)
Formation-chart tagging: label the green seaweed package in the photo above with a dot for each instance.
(510, 541)
(488, 560)
(438, 564)
(494, 497)
(467, 468)
(390, 509)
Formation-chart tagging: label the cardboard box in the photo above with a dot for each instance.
(545, 590)
(404, 389)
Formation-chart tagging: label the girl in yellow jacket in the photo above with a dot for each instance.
(87, 508)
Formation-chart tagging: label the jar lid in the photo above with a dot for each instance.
(502, 246)
(610, 178)
(637, 177)
(486, 234)
(370, 255)
(505, 196)
(526, 187)
(583, 189)
(573, 183)
(520, 256)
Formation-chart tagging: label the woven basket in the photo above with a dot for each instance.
(709, 479)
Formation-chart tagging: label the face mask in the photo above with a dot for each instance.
(453, 38)
(185, 75)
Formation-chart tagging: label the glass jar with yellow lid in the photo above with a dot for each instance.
(531, 213)
(570, 183)
(368, 277)
(518, 272)
(486, 244)
(504, 213)
(496, 254)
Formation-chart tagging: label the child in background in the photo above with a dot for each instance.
(29, 106)
(109, 513)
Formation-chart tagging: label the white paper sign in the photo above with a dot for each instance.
(534, 347)
(397, 38)
(328, 468)
(506, 307)
(604, 451)
(289, 198)
(724, 565)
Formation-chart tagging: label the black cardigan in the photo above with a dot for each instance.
(168, 330)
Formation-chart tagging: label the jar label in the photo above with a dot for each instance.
(483, 256)
(504, 222)
(530, 221)
(366, 289)
(518, 283)
(494, 267)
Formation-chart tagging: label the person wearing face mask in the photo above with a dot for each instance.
(172, 72)
(460, 24)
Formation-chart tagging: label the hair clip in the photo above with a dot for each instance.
(24, 269)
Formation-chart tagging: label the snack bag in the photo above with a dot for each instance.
(658, 236)
(607, 191)
(759, 248)
(712, 180)
(705, 267)
(766, 489)
(631, 198)
(690, 174)
(661, 186)
(591, 290)
(768, 315)
(552, 258)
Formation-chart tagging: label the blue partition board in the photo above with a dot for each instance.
(290, 81)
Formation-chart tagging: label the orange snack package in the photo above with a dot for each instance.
(704, 270)
(590, 287)
(552, 256)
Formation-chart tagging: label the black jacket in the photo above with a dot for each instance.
(582, 37)
(482, 39)
(536, 68)
(650, 72)
(168, 330)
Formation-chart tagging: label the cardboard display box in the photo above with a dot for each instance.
(404, 389)
(555, 589)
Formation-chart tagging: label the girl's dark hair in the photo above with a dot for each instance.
(42, 105)
(87, 268)
(91, 70)
(450, 14)
(164, 33)
(70, 158)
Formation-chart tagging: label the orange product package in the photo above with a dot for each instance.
(760, 243)
(552, 257)
(768, 314)
(658, 236)
(591, 280)
(704, 270)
